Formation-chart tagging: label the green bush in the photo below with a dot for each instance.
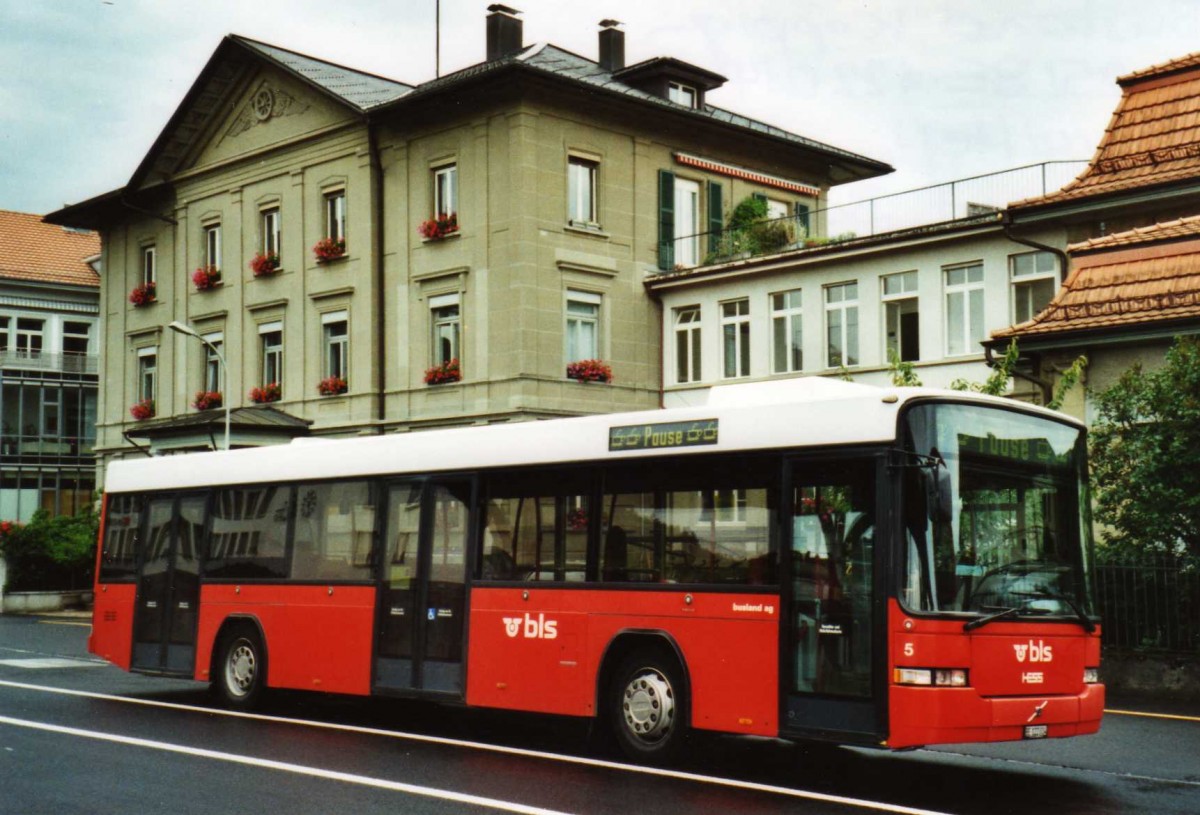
(50, 553)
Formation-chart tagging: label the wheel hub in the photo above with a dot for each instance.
(648, 705)
(240, 669)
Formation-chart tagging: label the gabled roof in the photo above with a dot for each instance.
(1140, 278)
(1152, 139)
(35, 251)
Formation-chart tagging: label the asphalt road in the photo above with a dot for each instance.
(77, 736)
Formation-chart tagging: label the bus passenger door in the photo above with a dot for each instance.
(422, 596)
(830, 637)
(168, 586)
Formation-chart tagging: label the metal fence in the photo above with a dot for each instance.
(939, 203)
(1151, 603)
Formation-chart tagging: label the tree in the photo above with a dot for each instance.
(1145, 456)
(50, 552)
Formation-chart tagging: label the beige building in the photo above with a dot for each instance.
(382, 256)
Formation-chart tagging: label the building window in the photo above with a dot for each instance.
(147, 384)
(687, 222)
(445, 191)
(335, 215)
(212, 246)
(29, 337)
(682, 94)
(270, 231)
(964, 309)
(336, 342)
(900, 314)
(841, 325)
(583, 326)
(735, 338)
(1034, 282)
(787, 339)
(445, 318)
(149, 266)
(214, 377)
(270, 337)
(687, 344)
(581, 191)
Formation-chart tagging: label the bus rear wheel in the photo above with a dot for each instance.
(242, 668)
(647, 707)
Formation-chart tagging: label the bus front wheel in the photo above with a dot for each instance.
(647, 707)
(242, 670)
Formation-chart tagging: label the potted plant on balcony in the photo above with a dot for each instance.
(142, 409)
(265, 263)
(271, 392)
(439, 226)
(142, 295)
(590, 370)
(207, 400)
(328, 249)
(332, 386)
(206, 277)
(448, 371)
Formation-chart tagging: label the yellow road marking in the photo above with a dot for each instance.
(1153, 715)
(63, 622)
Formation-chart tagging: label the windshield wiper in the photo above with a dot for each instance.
(1083, 619)
(998, 613)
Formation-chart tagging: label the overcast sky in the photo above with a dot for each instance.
(940, 89)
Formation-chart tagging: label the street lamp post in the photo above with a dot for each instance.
(181, 328)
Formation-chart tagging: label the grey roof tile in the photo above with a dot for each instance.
(362, 90)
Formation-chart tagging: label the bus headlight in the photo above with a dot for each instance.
(941, 677)
(1091, 676)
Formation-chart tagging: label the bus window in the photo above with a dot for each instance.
(698, 521)
(122, 528)
(335, 527)
(249, 533)
(536, 527)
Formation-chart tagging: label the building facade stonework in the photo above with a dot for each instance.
(375, 256)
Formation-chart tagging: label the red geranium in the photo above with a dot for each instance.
(439, 226)
(265, 263)
(271, 392)
(206, 277)
(328, 249)
(142, 410)
(445, 372)
(332, 386)
(590, 370)
(142, 295)
(207, 400)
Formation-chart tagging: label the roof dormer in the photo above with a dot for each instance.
(672, 79)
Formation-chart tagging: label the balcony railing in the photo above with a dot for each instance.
(28, 360)
(939, 203)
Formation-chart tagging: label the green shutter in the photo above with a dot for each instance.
(758, 196)
(666, 220)
(802, 219)
(716, 222)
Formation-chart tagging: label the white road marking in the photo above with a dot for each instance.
(50, 662)
(718, 781)
(283, 766)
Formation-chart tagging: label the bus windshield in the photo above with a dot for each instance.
(995, 514)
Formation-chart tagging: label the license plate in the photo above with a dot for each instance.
(1036, 731)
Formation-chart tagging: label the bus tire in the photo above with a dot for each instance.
(241, 673)
(648, 706)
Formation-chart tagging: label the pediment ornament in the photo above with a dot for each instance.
(265, 104)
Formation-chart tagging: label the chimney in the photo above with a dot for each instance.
(612, 46)
(504, 34)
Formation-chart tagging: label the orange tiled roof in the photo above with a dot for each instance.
(1152, 138)
(1148, 275)
(33, 250)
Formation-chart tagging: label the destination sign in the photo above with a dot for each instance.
(1038, 450)
(662, 435)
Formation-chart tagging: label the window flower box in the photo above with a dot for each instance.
(206, 277)
(265, 263)
(445, 372)
(332, 386)
(207, 400)
(142, 410)
(590, 370)
(271, 392)
(328, 249)
(143, 295)
(439, 226)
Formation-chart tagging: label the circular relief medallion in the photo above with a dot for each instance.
(263, 104)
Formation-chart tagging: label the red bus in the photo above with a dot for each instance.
(805, 559)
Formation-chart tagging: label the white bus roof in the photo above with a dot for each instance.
(790, 413)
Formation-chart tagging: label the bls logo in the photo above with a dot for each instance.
(1036, 651)
(537, 629)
